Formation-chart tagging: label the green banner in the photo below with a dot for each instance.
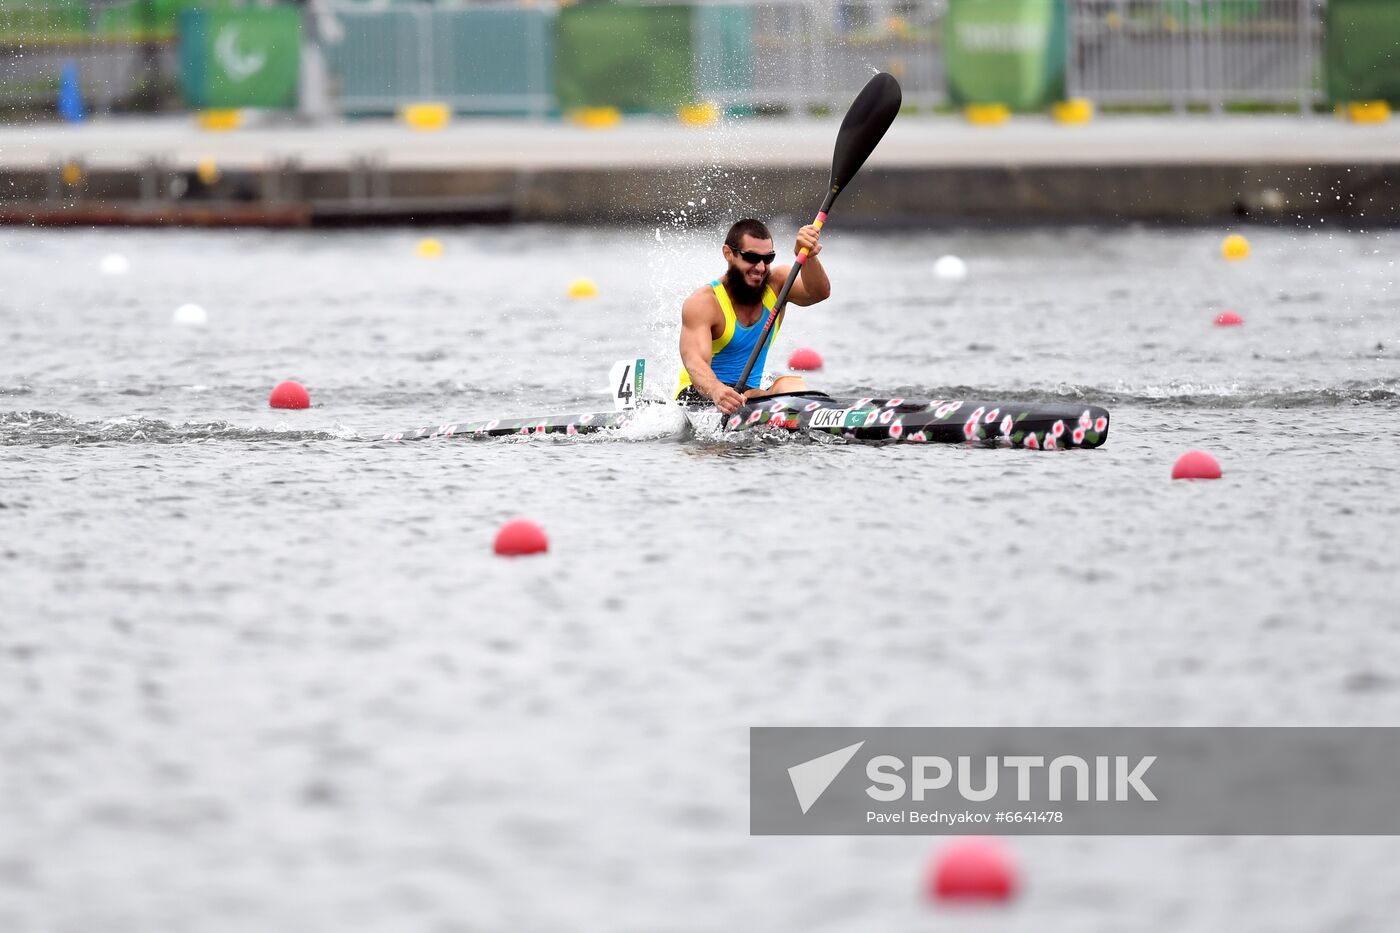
(636, 58)
(1008, 52)
(1363, 50)
(240, 58)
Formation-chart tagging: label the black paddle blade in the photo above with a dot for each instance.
(872, 112)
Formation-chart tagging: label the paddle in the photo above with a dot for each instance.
(871, 114)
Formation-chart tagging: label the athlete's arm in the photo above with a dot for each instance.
(812, 285)
(697, 320)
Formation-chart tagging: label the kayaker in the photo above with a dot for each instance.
(721, 321)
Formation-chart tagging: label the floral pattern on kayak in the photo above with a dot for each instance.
(917, 421)
(1048, 426)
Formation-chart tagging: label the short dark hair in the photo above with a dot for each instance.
(749, 226)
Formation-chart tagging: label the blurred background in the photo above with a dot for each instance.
(540, 59)
(509, 71)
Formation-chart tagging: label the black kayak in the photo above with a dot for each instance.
(892, 420)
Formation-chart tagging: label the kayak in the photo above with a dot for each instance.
(919, 421)
(590, 423)
(888, 420)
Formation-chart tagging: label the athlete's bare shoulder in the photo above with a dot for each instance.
(702, 304)
(704, 291)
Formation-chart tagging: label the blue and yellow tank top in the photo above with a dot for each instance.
(731, 349)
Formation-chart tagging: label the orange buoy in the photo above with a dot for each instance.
(805, 359)
(1196, 464)
(973, 869)
(520, 537)
(1228, 319)
(289, 394)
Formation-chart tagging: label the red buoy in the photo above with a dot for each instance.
(1228, 319)
(805, 358)
(520, 537)
(973, 869)
(1196, 464)
(289, 395)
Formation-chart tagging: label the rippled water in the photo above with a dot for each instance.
(258, 672)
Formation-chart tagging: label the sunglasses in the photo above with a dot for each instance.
(753, 259)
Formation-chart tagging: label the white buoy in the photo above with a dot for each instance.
(190, 316)
(950, 269)
(114, 264)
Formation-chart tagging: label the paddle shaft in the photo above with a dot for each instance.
(783, 295)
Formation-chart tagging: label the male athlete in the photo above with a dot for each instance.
(721, 322)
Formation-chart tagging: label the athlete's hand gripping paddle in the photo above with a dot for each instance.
(871, 114)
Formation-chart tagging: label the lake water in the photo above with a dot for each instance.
(258, 672)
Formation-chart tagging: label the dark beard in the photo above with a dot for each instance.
(741, 292)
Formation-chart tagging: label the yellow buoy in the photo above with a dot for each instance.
(426, 116)
(705, 114)
(1368, 111)
(207, 170)
(219, 121)
(596, 118)
(71, 173)
(429, 248)
(583, 288)
(1234, 247)
(986, 114)
(1073, 112)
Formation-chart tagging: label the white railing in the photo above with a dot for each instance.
(496, 56)
(819, 54)
(482, 57)
(805, 53)
(1196, 53)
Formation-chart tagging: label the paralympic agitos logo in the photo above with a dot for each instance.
(979, 779)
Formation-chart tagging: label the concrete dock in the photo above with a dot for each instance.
(929, 170)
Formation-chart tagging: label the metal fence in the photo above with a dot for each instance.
(497, 56)
(483, 58)
(1206, 53)
(819, 54)
(811, 54)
